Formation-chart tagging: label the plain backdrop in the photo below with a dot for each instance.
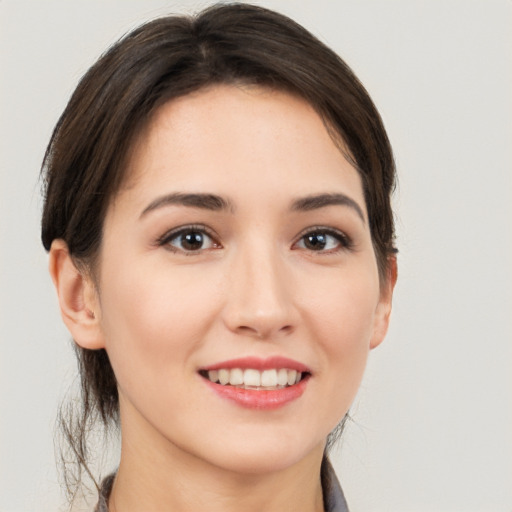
(432, 427)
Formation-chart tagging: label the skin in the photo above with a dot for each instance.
(255, 288)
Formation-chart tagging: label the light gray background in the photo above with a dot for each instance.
(433, 420)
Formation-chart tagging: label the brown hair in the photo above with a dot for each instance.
(171, 57)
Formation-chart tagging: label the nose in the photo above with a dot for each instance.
(260, 295)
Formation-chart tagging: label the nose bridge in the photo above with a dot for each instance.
(259, 299)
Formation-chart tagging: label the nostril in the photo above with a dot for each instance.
(263, 332)
(248, 330)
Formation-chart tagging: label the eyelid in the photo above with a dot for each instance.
(174, 232)
(346, 242)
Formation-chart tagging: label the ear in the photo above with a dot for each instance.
(78, 300)
(383, 311)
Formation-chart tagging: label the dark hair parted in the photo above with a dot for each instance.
(170, 57)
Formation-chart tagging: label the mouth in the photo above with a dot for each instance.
(254, 379)
(256, 383)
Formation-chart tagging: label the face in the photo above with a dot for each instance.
(238, 251)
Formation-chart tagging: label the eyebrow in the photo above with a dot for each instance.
(314, 202)
(214, 202)
(203, 201)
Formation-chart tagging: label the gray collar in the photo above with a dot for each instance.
(334, 499)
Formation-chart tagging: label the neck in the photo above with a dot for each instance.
(165, 478)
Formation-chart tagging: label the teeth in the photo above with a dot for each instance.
(236, 377)
(254, 379)
(269, 378)
(282, 377)
(223, 376)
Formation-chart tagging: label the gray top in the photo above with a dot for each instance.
(334, 500)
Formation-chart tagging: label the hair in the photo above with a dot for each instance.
(167, 58)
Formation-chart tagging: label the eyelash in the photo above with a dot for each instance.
(344, 241)
(169, 236)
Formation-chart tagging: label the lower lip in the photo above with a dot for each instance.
(262, 399)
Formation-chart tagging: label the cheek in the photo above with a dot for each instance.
(341, 320)
(153, 321)
(343, 309)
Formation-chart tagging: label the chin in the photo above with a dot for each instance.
(259, 455)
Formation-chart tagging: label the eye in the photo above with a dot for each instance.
(324, 240)
(189, 239)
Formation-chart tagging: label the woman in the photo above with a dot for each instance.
(220, 233)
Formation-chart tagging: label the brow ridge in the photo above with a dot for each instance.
(314, 202)
(215, 202)
(211, 202)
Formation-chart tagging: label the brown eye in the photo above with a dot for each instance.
(324, 240)
(192, 241)
(315, 241)
(189, 240)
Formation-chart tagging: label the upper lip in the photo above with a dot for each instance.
(258, 363)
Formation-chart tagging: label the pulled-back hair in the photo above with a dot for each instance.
(170, 57)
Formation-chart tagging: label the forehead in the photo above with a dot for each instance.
(234, 136)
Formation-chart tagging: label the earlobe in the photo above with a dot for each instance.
(77, 297)
(383, 311)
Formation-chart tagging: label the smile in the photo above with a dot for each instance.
(255, 383)
(251, 378)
